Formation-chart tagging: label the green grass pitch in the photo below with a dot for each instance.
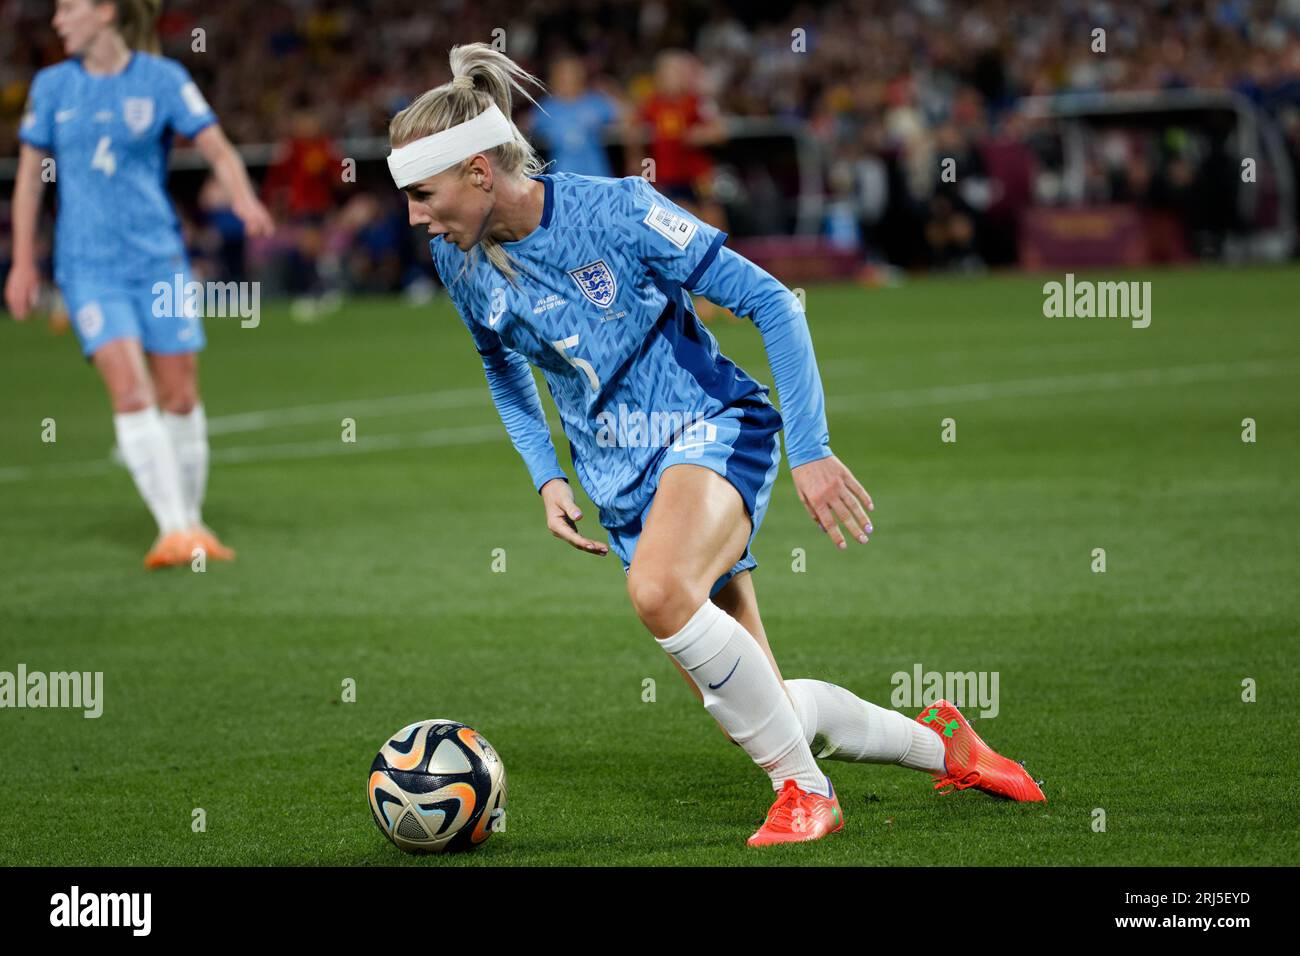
(1122, 690)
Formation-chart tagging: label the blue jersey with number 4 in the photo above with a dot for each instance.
(600, 306)
(109, 137)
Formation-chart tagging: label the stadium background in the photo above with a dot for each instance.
(372, 560)
(838, 119)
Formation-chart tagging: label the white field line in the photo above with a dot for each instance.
(433, 438)
(844, 405)
(1062, 385)
(1037, 352)
(334, 411)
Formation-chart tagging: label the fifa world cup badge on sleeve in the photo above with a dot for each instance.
(676, 229)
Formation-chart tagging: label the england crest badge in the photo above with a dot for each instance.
(596, 282)
(138, 113)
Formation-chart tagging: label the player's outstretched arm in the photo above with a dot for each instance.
(510, 380)
(514, 393)
(826, 487)
(24, 282)
(229, 169)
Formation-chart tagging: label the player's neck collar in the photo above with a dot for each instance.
(130, 62)
(548, 200)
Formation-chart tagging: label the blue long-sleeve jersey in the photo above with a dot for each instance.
(110, 137)
(600, 306)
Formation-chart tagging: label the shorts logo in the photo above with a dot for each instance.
(596, 282)
(698, 435)
(138, 113)
(90, 319)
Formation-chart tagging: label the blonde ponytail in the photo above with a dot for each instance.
(481, 76)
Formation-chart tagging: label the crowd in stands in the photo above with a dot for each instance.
(888, 90)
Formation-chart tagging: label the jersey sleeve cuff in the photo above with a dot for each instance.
(797, 458)
(30, 140)
(197, 128)
(540, 480)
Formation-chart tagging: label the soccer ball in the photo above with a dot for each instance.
(437, 785)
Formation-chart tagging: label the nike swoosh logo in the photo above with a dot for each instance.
(728, 677)
(62, 116)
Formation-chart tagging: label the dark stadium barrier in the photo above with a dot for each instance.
(1238, 200)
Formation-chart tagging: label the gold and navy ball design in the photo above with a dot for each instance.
(437, 785)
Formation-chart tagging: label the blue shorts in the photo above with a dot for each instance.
(743, 445)
(103, 310)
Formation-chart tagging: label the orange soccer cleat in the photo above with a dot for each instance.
(973, 763)
(203, 537)
(170, 550)
(798, 816)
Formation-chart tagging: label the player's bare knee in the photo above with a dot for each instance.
(130, 405)
(663, 599)
(647, 591)
(177, 394)
(178, 402)
(131, 398)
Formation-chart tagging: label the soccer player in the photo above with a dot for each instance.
(587, 279)
(106, 117)
(682, 124)
(572, 121)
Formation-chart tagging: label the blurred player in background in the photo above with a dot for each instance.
(302, 189)
(573, 120)
(679, 124)
(106, 116)
(588, 279)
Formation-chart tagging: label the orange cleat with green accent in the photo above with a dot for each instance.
(169, 551)
(798, 816)
(213, 548)
(973, 763)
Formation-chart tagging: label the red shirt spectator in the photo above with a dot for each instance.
(670, 118)
(307, 171)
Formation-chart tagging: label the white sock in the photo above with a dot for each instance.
(189, 438)
(743, 694)
(838, 725)
(148, 454)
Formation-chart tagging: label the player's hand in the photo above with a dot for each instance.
(829, 491)
(562, 513)
(257, 221)
(22, 289)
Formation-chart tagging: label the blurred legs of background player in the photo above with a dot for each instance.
(161, 432)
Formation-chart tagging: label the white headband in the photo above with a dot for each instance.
(431, 155)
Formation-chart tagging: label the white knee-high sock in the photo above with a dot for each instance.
(148, 454)
(189, 438)
(839, 725)
(743, 694)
